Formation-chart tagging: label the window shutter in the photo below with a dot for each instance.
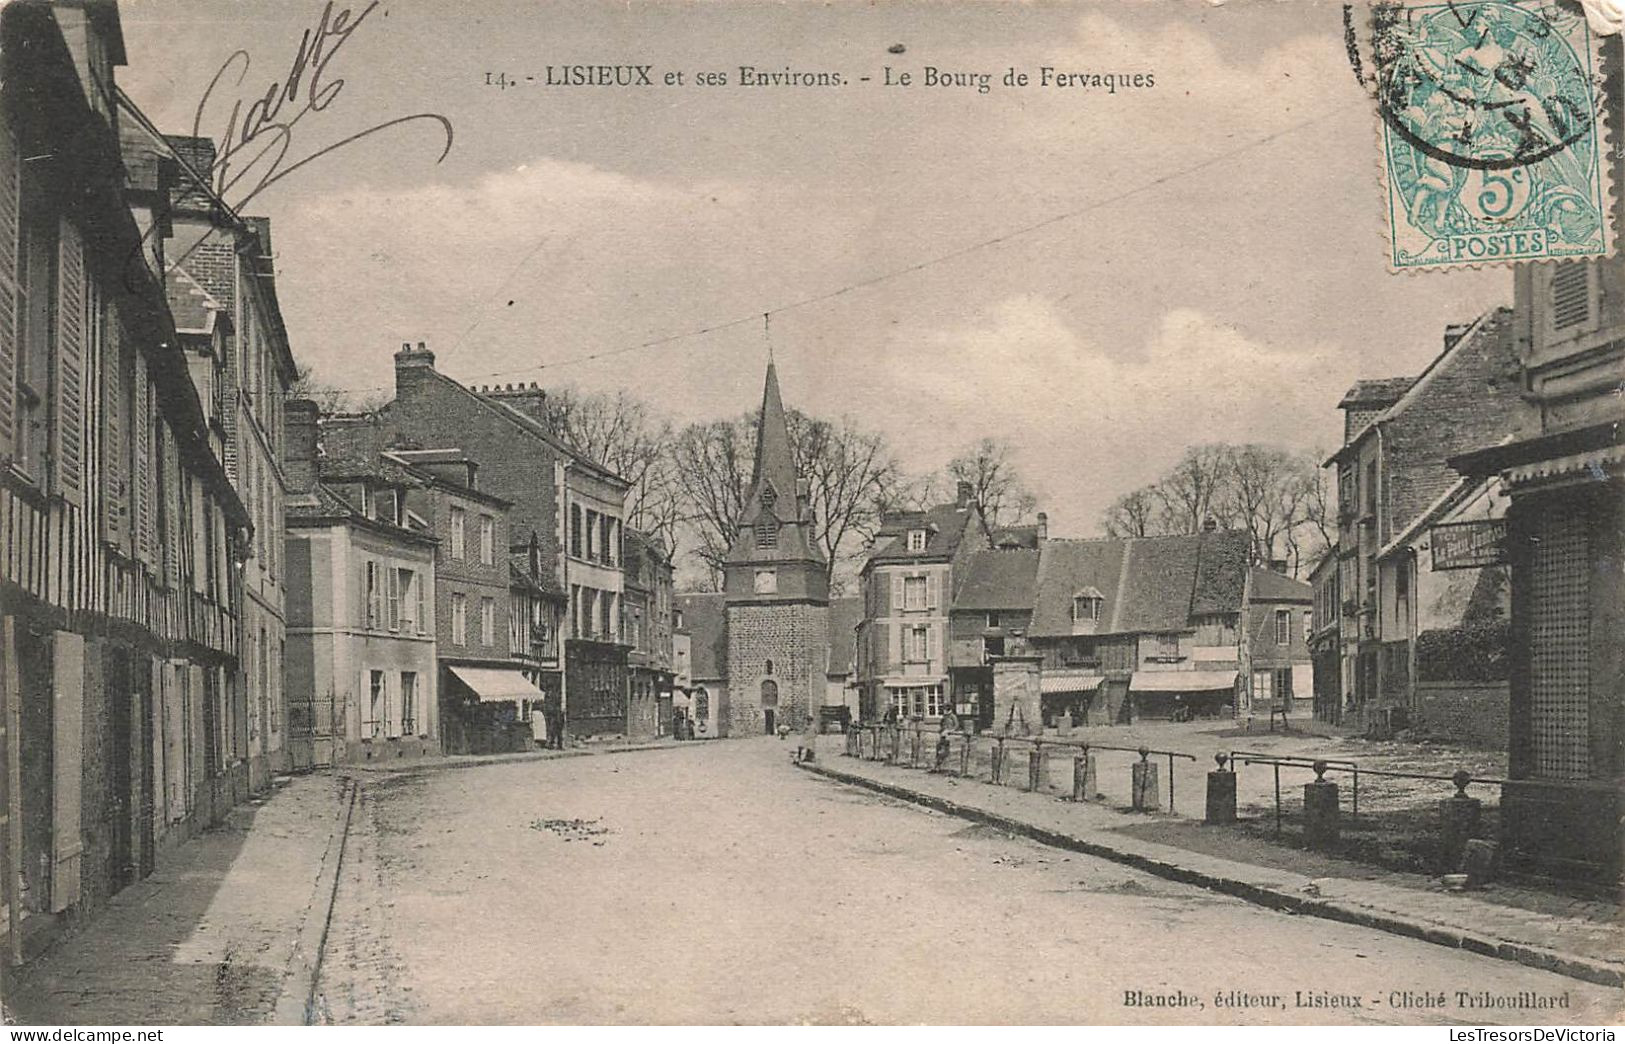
(171, 492)
(112, 493)
(10, 203)
(933, 584)
(67, 762)
(896, 646)
(930, 643)
(68, 414)
(897, 591)
(1571, 294)
(141, 445)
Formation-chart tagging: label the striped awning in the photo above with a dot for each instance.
(1069, 681)
(1182, 681)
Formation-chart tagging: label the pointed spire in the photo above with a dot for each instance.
(775, 463)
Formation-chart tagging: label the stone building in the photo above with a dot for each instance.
(776, 591)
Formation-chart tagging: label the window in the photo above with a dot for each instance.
(406, 582)
(767, 531)
(36, 305)
(459, 619)
(422, 587)
(1283, 683)
(373, 607)
(993, 619)
(488, 621)
(488, 540)
(575, 530)
(1283, 627)
(409, 703)
(1168, 646)
(914, 592)
(1086, 607)
(377, 707)
(916, 540)
(992, 647)
(919, 639)
(458, 525)
(592, 536)
(767, 581)
(933, 701)
(1371, 487)
(606, 548)
(1308, 624)
(702, 704)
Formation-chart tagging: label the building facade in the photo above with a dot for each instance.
(120, 671)
(990, 616)
(647, 629)
(907, 586)
(361, 611)
(571, 508)
(1564, 538)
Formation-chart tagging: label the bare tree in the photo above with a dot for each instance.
(330, 398)
(1134, 514)
(850, 473)
(996, 487)
(622, 433)
(1190, 494)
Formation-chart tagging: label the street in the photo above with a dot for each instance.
(714, 883)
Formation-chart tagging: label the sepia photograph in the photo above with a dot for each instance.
(701, 513)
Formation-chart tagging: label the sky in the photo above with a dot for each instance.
(1101, 279)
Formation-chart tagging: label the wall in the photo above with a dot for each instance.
(795, 637)
(1466, 713)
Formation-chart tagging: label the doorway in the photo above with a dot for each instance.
(769, 719)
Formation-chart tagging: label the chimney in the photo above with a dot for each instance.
(531, 401)
(1455, 332)
(413, 366)
(1043, 527)
(300, 421)
(966, 492)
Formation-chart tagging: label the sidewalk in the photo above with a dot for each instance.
(214, 937)
(1578, 938)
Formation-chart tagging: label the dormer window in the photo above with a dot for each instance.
(1086, 605)
(770, 496)
(916, 540)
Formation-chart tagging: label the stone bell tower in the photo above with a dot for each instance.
(776, 590)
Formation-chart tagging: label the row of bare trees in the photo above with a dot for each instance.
(1282, 499)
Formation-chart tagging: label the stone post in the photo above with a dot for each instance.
(1146, 795)
(1017, 705)
(964, 756)
(1221, 792)
(1321, 816)
(1083, 776)
(853, 738)
(896, 745)
(1035, 768)
(998, 762)
(1458, 823)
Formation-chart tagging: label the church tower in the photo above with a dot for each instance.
(776, 590)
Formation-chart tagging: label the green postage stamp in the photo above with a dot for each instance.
(1495, 146)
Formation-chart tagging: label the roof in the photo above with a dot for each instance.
(775, 463)
(1146, 584)
(844, 615)
(705, 617)
(998, 580)
(945, 525)
(1270, 586)
(322, 506)
(1016, 536)
(1375, 393)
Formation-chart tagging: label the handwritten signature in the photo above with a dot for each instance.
(254, 148)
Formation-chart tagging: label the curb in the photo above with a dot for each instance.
(296, 1004)
(1568, 965)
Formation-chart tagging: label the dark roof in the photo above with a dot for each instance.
(705, 617)
(194, 308)
(844, 614)
(1145, 583)
(1375, 393)
(1270, 586)
(1016, 536)
(945, 525)
(999, 580)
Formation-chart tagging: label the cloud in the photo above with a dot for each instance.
(1090, 423)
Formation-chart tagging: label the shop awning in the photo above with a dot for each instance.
(1069, 681)
(495, 685)
(1182, 681)
(911, 682)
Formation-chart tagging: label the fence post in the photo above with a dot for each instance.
(1035, 767)
(896, 745)
(1221, 793)
(1143, 783)
(964, 757)
(914, 750)
(998, 761)
(1320, 812)
(1458, 823)
(851, 743)
(1083, 776)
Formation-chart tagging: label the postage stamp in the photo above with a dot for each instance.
(1493, 133)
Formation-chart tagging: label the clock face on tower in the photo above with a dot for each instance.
(767, 581)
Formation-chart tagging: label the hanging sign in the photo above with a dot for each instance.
(1469, 545)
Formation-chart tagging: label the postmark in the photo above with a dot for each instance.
(1492, 132)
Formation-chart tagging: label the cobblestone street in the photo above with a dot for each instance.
(712, 883)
